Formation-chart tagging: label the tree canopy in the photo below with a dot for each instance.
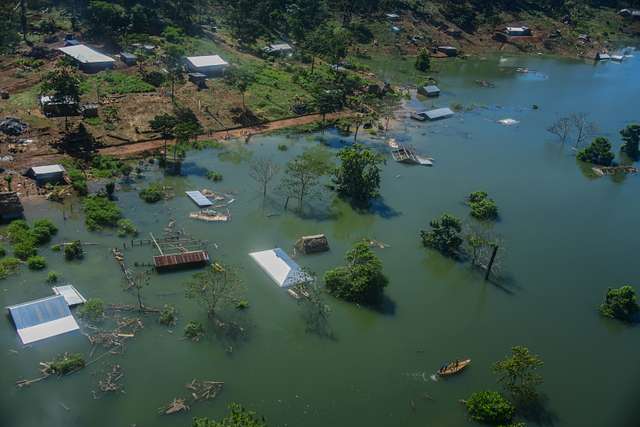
(631, 137)
(238, 417)
(489, 407)
(598, 153)
(621, 303)
(303, 173)
(482, 206)
(357, 178)
(444, 235)
(518, 373)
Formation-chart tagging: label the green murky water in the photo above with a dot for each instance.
(568, 237)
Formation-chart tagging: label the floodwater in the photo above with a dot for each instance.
(568, 236)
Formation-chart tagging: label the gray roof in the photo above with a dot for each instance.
(85, 55)
(199, 199)
(432, 89)
(128, 55)
(439, 113)
(44, 170)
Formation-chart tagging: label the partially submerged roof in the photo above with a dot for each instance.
(438, 113)
(432, 89)
(48, 169)
(184, 259)
(42, 318)
(127, 55)
(70, 294)
(85, 55)
(199, 199)
(280, 267)
(206, 61)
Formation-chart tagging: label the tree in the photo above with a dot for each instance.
(631, 137)
(216, 288)
(584, 129)
(423, 61)
(327, 101)
(621, 303)
(518, 374)
(304, 16)
(110, 188)
(561, 128)
(302, 175)
(598, 153)
(361, 280)
(140, 281)
(9, 25)
(173, 62)
(482, 206)
(444, 235)
(238, 417)
(489, 407)
(164, 124)
(8, 179)
(240, 78)
(63, 85)
(358, 175)
(107, 19)
(314, 309)
(262, 170)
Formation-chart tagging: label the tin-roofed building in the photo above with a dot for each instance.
(128, 58)
(209, 65)
(518, 31)
(280, 267)
(89, 60)
(279, 49)
(437, 114)
(431, 91)
(42, 318)
(46, 174)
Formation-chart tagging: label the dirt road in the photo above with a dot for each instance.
(136, 149)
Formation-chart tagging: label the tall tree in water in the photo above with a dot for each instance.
(262, 170)
(302, 175)
(631, 137)
(358, 175)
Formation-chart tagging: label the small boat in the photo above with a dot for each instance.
(453, 367)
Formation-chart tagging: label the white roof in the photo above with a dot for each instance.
(280, 267)
(280, 46)
(85, 54)
(438, 113)
(70, 294)
(43, 318)
(199, 198)
(206, 61)
(517, 29)
(43, 170)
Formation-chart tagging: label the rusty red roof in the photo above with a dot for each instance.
(183, 259)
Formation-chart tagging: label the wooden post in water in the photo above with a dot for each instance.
(490, 266)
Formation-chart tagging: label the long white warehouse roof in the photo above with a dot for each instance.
(206, 61)
(86, 55)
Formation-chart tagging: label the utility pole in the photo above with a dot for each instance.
(490, 266)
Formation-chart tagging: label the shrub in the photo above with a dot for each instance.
(194, 330)
(100, 212)
(283, 147)
(482, 207)
(73, 250)
(125, 227)
(52, 277)
(24, 250)
(621, 304)
(36, 262)
(214, 176)
(78, 181)
(598, 153)
(444, 235)
(489, 407)
(423, 62)
(152, 194)
(66, 363)
(3, 252)
(92, 310)
(18, 230)
(43, 230)
(168, 315)
(8, 266)
(242, 304)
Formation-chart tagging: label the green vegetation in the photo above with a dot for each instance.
(518, 375)
(423, 61)
(194, 330)
(631, 137)
(105, 166)
(598, 153)
(444, 235)
(152, 194)
(242, 304)
(43, 230)
(302, 175)
(237, 417)
(482, 206)
(63, 83)
(168, 315)
(489, 407)
(621, 303)
(25, 239)
(100, 212)
(92, 310)
(214, 176)
(358, 176)
(361, 279)
(8, 266)
(67, 363)
(126, 227)
(216, 288)
(36, 262)
(73, 250)
(3, 252)
(116, 82)
(24, 250)
(283, 147)
(52, 277)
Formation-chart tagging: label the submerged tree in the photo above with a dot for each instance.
(423, 61)
(237, 417)
(489, 407)
(140, 281)
(216, 288)
(262, 170)
(621, 303)
(482, 206)
(315, 310)
(561, 128)
(302, 175)
(361, 279)
(518, 374)
(164, 124)
(358, 175)
(598, 153)
(481, 245)
(583, 127)
(631, 137)
(444, 235)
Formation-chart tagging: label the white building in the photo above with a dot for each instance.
(90, 60)
(210, 64)
(518, 31)
(46, 174)
(279, 49)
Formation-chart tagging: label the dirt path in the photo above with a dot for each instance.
(134, 149)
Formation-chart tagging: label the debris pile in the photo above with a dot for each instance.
(200, 390)
(114, 341)
(12, 126)
(110, 382)
(312, 244)
(219, 211)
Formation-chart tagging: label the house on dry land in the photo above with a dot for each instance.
(518, 31)
(46, 174)
(209, 65)
(283, 49)
(58, 107)
(88, 59)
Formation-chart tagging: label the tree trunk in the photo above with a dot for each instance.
(244, 107)
(355, 135)
(165, 153)
(491, 261)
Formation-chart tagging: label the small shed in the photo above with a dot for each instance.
(89, 110)
(71, 42)
(199, 199)
(448, 50)
(518, 31)
(280, 267)
(430, 91)
(392, 16)
(198, 79)
(283, 49)
(128, 58)
(42, 318)
(71, 295)
(89, 60)
(46, 174)
(209, 65)
(438, 113)
(58, 107)
(602, 56)
(313, 244)
(10, 206)
(181, 260)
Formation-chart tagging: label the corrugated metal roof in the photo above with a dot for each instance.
(85, 55)
(70, 294)
(279, 46)
(280, 267)
(42, 318)
(44, 170)
(199, 199)
(183, 259)
(438, 113)
(432, 89)
(206, 61)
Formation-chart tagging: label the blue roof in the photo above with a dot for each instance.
(199, 198)
(39, 311)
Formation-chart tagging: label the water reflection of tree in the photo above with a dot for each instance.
(315, 311)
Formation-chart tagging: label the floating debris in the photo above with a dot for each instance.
(175, 406)
(612, 170)
(211, 215)
(110, 382)
(508, 122)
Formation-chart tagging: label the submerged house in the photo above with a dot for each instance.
(46, 174)
(430, 91)
(283, 49)
(280, 267)
(128, 58)
(88, 59)
(42, 318)
(10, 206)
(602, 56)
(209, 65)
(437, 114)
(518, 31)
